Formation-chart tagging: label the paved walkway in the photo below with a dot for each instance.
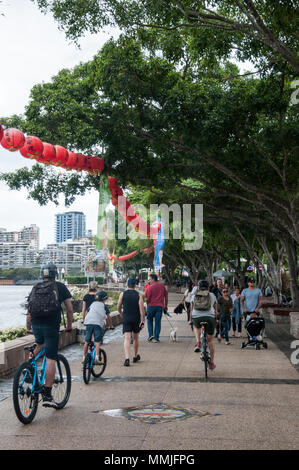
(250, 401)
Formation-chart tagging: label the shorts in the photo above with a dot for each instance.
(94, 330)
(49, 336)
(132, 326)
(211, 323)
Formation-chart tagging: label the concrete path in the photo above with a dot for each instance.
(250, 401)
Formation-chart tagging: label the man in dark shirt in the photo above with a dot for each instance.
(46, 331)
(131, 308)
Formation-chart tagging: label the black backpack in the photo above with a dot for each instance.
(43, 300)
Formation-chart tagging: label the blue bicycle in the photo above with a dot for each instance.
(29, 380)
(90, 366)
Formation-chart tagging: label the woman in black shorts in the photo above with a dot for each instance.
(131, 308)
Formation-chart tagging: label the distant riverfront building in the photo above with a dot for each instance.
(70, 226)
(19, 249)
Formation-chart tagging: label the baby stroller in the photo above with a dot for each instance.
(255, 329)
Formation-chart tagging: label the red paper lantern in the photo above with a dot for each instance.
(112, 182)
(81, 162)
(61, 156)
(1, 132)
(48, 156)
(97, 164)
(71, 161)
(12, 139)
(32, 148)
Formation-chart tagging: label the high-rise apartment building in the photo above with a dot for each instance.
(70, 226)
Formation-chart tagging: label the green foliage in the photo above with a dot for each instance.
(9, 334)
(20, 274)
(82, 279)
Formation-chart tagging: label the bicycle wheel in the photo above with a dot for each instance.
(98, 369)
(24, 400)
(205, 356)
(61, 389)
(87, 369)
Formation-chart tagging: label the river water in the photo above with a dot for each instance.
(11, 311)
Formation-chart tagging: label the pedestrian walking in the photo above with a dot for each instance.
(225, 305)
(131, 308)
(157, 302)
(187, 299)
(251, 300)
(237, 312)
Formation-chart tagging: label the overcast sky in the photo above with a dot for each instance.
(32, 51)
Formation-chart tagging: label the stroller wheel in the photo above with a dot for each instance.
(242, 345)
(265, 345)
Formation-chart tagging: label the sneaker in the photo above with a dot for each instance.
(97, 361)
(137, 358)
(127, 363)
(156, 340)
(197, 347)
(48, 400)
(150, 338)
(212, 366)
(227, 343)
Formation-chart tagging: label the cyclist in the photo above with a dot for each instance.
(95, 321)
(207, 313)
(46, 327)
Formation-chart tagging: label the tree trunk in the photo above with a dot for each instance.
(291, 251)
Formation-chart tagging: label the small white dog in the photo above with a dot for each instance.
(173, 334)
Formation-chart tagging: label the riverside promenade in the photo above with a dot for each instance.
(250, 401)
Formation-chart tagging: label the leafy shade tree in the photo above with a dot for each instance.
(260, 30)
(230, 145)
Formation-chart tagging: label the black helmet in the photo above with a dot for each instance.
(204, 285)
(49, 271)
(101, 295)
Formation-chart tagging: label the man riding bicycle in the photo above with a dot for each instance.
(204, 309)
(44, 315)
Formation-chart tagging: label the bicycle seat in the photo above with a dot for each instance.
(30, 348)
(203, 323)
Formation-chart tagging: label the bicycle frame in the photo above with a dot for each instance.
(37, 381)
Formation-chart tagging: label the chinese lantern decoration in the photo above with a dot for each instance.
(71, 161)
(12, 139)
(97, 165)
(81, 162)
(32, 148)
(61, 156)
(48, 156)
(128, 256)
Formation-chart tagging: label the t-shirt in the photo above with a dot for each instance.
(156, 295)
(96, 314)
(55, 319)
(88, 299)
(188, 296)
(204, 313)
(251, 298)
(225, 306)
(130, 302)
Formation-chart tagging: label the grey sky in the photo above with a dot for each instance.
(32, 51)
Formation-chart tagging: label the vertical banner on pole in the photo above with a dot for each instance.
(159, 241)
